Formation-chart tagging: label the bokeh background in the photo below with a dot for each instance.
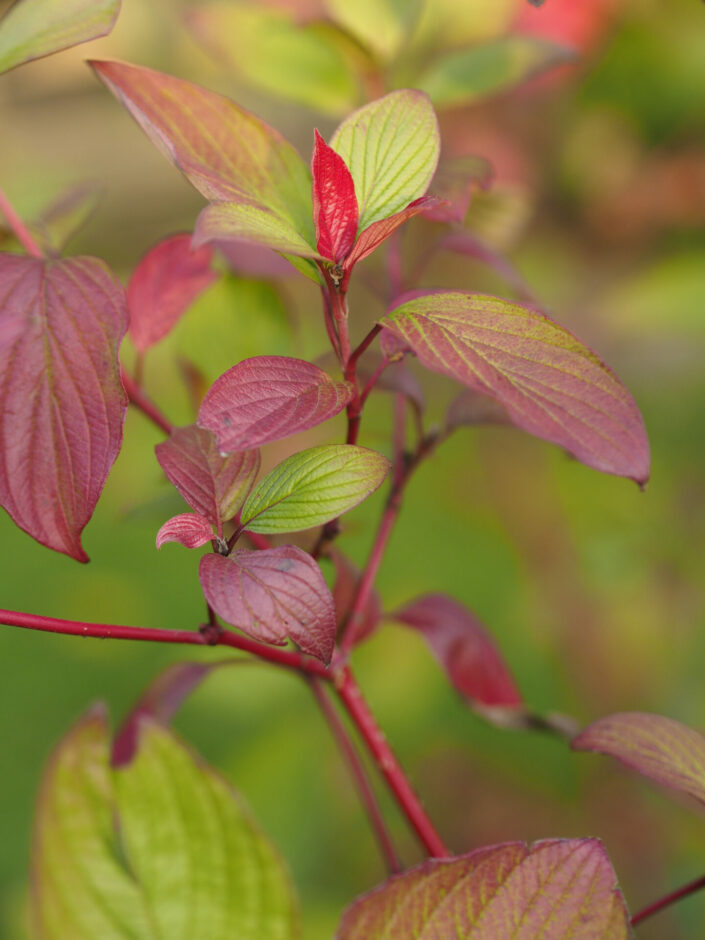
(593, 590)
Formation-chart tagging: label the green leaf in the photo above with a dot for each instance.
(160, 848)
(470, 75)
(313, 487)
(391, 147)
(275, 53)
(32, 29)
(381, 25)
(233, 221)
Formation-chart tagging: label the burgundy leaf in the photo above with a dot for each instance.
(664, 750)
(164, 285)
(161, 701)
(554, 890)
(62, 404)
(464, 649)
(455, 181)
(470, 408)
(267, 398)
(271, 595)
(347, 576)
(550, 384)
(334, 203)
(188, 528)
(393, 347)
(212, 485)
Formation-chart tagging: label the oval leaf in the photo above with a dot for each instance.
(334, 203)
(228, 154)
(391, 147)
(62, 404)
(312, 487)
(463, 647)
(188, 528)
(267, 398)
(553, 890)
(664, 750)
(212, 485)
(164, 285)
(32, 29)
(550, 384)
(271, 595)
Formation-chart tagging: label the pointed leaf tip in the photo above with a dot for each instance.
(188, 528)
(335, 212)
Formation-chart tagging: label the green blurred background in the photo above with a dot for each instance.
(593, 590)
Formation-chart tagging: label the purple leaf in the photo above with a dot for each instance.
(164, 285)
(553, 890)
(267, 398)
(212, 485)
(62, 404)
(464, 649)
(550, 384)
(662, 749)
(271, 595)
(334, 203)
(347, 576)
(188, 528)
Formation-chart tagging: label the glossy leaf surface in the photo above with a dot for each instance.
(313, 487)
(228, 154)
(464, 648)
(469, 75)
(62, 404)
(267, 398)
(550, 384)
(211, 484)
(664, 750)
(391, 147)
(553, 890)
(189, 529)
(164, 285)
(272, 595)
(335, 212)
(32, 29)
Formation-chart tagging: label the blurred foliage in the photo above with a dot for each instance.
(593, 590)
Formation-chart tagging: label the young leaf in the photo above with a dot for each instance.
(212, 485)
(32, 29)
(228, 154)
(313, 487)
(164, 285)
(189, 529)
(271, 595)
(662, 749)
(334, 203)
(469, 75)
(550, 384)
(267, 398)
(553, 890)
(62, 404)
(463, 647)
(391, 147)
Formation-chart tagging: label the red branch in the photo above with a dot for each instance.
(669, 899)
(145, 405)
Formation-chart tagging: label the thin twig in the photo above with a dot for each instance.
(145, 405)
(669, 899)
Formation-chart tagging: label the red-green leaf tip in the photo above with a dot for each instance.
(335, 212)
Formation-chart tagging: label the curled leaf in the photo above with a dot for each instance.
(188, 528)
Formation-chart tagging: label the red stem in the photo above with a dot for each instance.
(357, 771)
(19, 228)
(145, 405)
(669, 899)
(351, 696)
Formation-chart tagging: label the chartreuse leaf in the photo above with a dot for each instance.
(469, 75)
(313, 487)
(381, 25)
(550, 384)
(32, 29)
(391, 147)
(664, 750)
(273, 52)
(552, 890)
(159, 848)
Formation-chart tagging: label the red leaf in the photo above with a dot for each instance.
(271, 595)
(664, 750)
(212, 485)
(334, 203)
(164, 285)
(62, 404)
(550, 383)
(464, 649)
(553, 890)
(188, 528)
(267, 398)
(347, 576)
